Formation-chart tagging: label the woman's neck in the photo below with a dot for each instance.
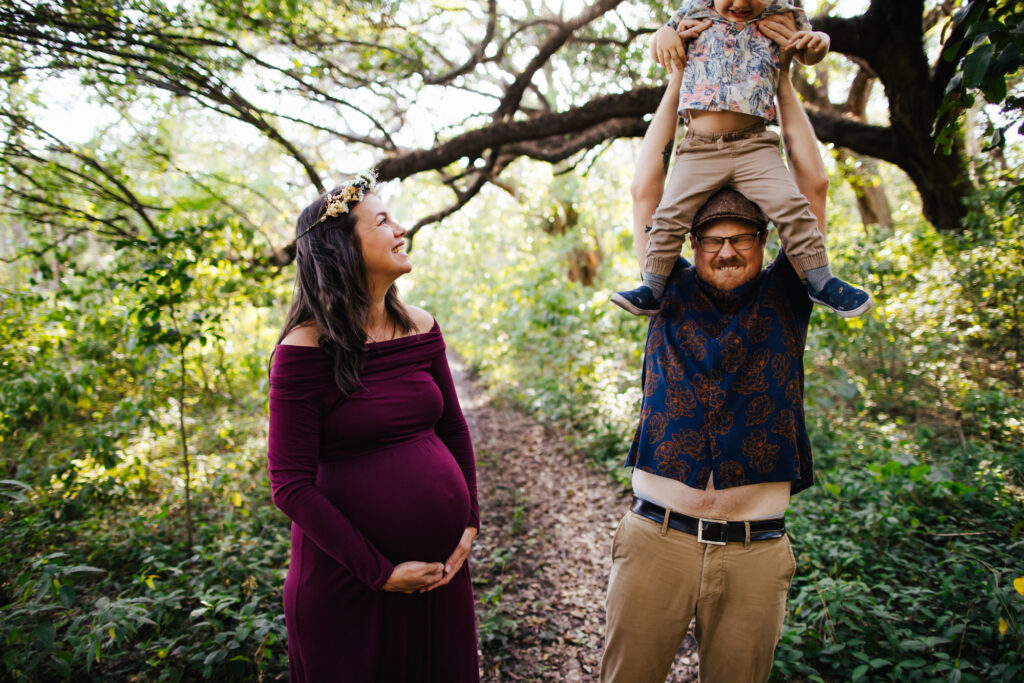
(377, 322)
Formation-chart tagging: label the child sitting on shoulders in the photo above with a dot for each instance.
(727, 98)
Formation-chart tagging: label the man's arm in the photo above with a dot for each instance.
(656, 148)
(652, 164)
(802, 149)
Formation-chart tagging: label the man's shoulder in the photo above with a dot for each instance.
(782, 281)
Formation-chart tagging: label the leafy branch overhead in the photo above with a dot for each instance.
(989, 55)
(460, 91)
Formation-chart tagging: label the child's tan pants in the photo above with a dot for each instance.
(662, 578)
(749, 161)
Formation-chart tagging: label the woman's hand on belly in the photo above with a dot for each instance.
(454, 563)
(410, 577)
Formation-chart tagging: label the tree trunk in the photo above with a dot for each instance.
(862, 176)
(889, 37)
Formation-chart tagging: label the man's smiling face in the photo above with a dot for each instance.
(730, 267)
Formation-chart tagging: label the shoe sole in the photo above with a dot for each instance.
(852, 313)
(623, 303)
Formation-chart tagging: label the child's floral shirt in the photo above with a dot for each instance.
(730, 66)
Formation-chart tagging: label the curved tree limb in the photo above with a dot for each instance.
(478, 53)
(514, 92)
(472, 143)
(462, 197)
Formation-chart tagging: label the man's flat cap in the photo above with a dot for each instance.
(728, 203)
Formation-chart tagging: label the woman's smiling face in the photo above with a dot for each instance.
(380, 240)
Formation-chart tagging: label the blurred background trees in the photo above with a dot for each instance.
(154, 156)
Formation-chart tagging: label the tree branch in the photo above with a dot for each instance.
(462, 197)
(514, 92)
(478, 53)
(472, 143)
(876, 141)
(558, 148)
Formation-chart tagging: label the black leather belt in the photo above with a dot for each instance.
(713, 531)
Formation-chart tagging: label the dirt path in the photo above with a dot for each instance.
(541, 564)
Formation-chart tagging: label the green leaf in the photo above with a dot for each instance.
(67, 595)
(859, 672)
(994, 88)
(983, 28)
(45, 634)
(976, 65)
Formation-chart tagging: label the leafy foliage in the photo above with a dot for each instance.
(909, 544)
(99, 583)
(141, 289)
(990, 64)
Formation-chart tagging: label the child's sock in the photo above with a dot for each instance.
(816, 277)
(656, 283)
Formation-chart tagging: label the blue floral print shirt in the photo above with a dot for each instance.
(730, 66)
(723, 382)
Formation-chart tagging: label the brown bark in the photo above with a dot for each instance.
(860, 172)
(862, 176)
(889, 38)
(474, 143)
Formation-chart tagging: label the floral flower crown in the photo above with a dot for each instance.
(350, 193)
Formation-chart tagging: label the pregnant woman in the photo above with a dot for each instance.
(371, 459)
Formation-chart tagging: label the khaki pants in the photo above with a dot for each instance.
(662, 579)
(750, 162)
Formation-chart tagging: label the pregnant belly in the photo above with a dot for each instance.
(409, 500)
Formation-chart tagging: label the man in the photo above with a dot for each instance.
(721, 443)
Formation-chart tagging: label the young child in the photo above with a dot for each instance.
(727, 97)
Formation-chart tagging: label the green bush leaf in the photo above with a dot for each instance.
(976, 65)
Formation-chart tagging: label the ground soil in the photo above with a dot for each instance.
(542, 559)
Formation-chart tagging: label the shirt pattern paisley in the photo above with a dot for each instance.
(723, 382)
(730, 66)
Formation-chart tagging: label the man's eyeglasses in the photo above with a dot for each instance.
(741, 242)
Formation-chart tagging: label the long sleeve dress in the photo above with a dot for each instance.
(381, 476)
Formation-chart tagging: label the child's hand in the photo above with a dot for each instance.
(689, 29)
(667, 49)
(809, 46)
(780, 28)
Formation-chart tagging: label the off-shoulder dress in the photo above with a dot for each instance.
(378, 477)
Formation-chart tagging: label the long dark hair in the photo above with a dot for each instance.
(332, 289)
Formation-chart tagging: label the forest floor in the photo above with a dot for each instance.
(542, 560)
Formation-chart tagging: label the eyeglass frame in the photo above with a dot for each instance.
(729, 239)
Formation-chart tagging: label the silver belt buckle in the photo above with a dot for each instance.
(700, 530)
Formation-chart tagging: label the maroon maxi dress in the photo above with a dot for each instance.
(369, 480)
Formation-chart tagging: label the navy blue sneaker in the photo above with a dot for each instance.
(639, 301)
(846, 300)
